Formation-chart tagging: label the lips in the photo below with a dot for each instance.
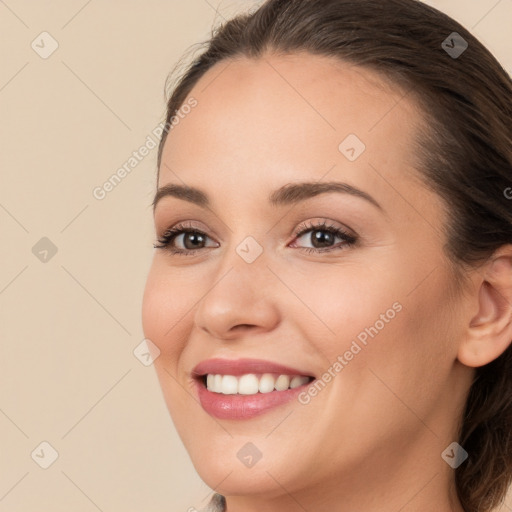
(240, 406)
(239, 367)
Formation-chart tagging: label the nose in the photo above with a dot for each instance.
(241, 298)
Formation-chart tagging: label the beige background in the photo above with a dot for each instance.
(69, 325)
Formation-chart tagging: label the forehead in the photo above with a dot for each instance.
(286, 117)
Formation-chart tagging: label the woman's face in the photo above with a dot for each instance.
(368, 314)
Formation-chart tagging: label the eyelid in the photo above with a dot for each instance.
(323, 223)
(186, 224)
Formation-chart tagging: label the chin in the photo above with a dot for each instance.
(231, 479)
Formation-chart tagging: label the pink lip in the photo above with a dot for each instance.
(241, 366)
(238, 407)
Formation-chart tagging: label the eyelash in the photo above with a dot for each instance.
(167, 238)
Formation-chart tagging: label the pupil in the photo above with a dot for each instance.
(194, 238)
(323, 237)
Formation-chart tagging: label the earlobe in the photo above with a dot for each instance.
(489, 331)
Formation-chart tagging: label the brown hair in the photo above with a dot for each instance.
(464, 150)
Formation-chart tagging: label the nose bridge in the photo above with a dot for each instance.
(240, 292)
(246, 254)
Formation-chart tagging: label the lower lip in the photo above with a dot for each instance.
(241, 407)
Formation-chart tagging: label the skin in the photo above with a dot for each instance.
(372, 438)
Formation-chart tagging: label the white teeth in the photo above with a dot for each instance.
(282, 382)
(267, 382)
(250, 384)
(298, 381)
(229, 385)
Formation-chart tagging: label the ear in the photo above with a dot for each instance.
(489, 332)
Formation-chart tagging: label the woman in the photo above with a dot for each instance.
(331, 292)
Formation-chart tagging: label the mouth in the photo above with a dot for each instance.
(251, 383)
(242, 389)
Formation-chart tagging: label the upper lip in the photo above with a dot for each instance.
(243, 366)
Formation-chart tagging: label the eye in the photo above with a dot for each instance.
(323, 235)
(192, 240)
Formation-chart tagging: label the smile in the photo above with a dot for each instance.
(251, 384)
(242, 389)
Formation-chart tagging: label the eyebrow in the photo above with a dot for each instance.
(288, 194)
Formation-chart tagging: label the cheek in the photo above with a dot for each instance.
(347, 304)
(165, 322)
(407, 360)
(164, 313)
(381, 329)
